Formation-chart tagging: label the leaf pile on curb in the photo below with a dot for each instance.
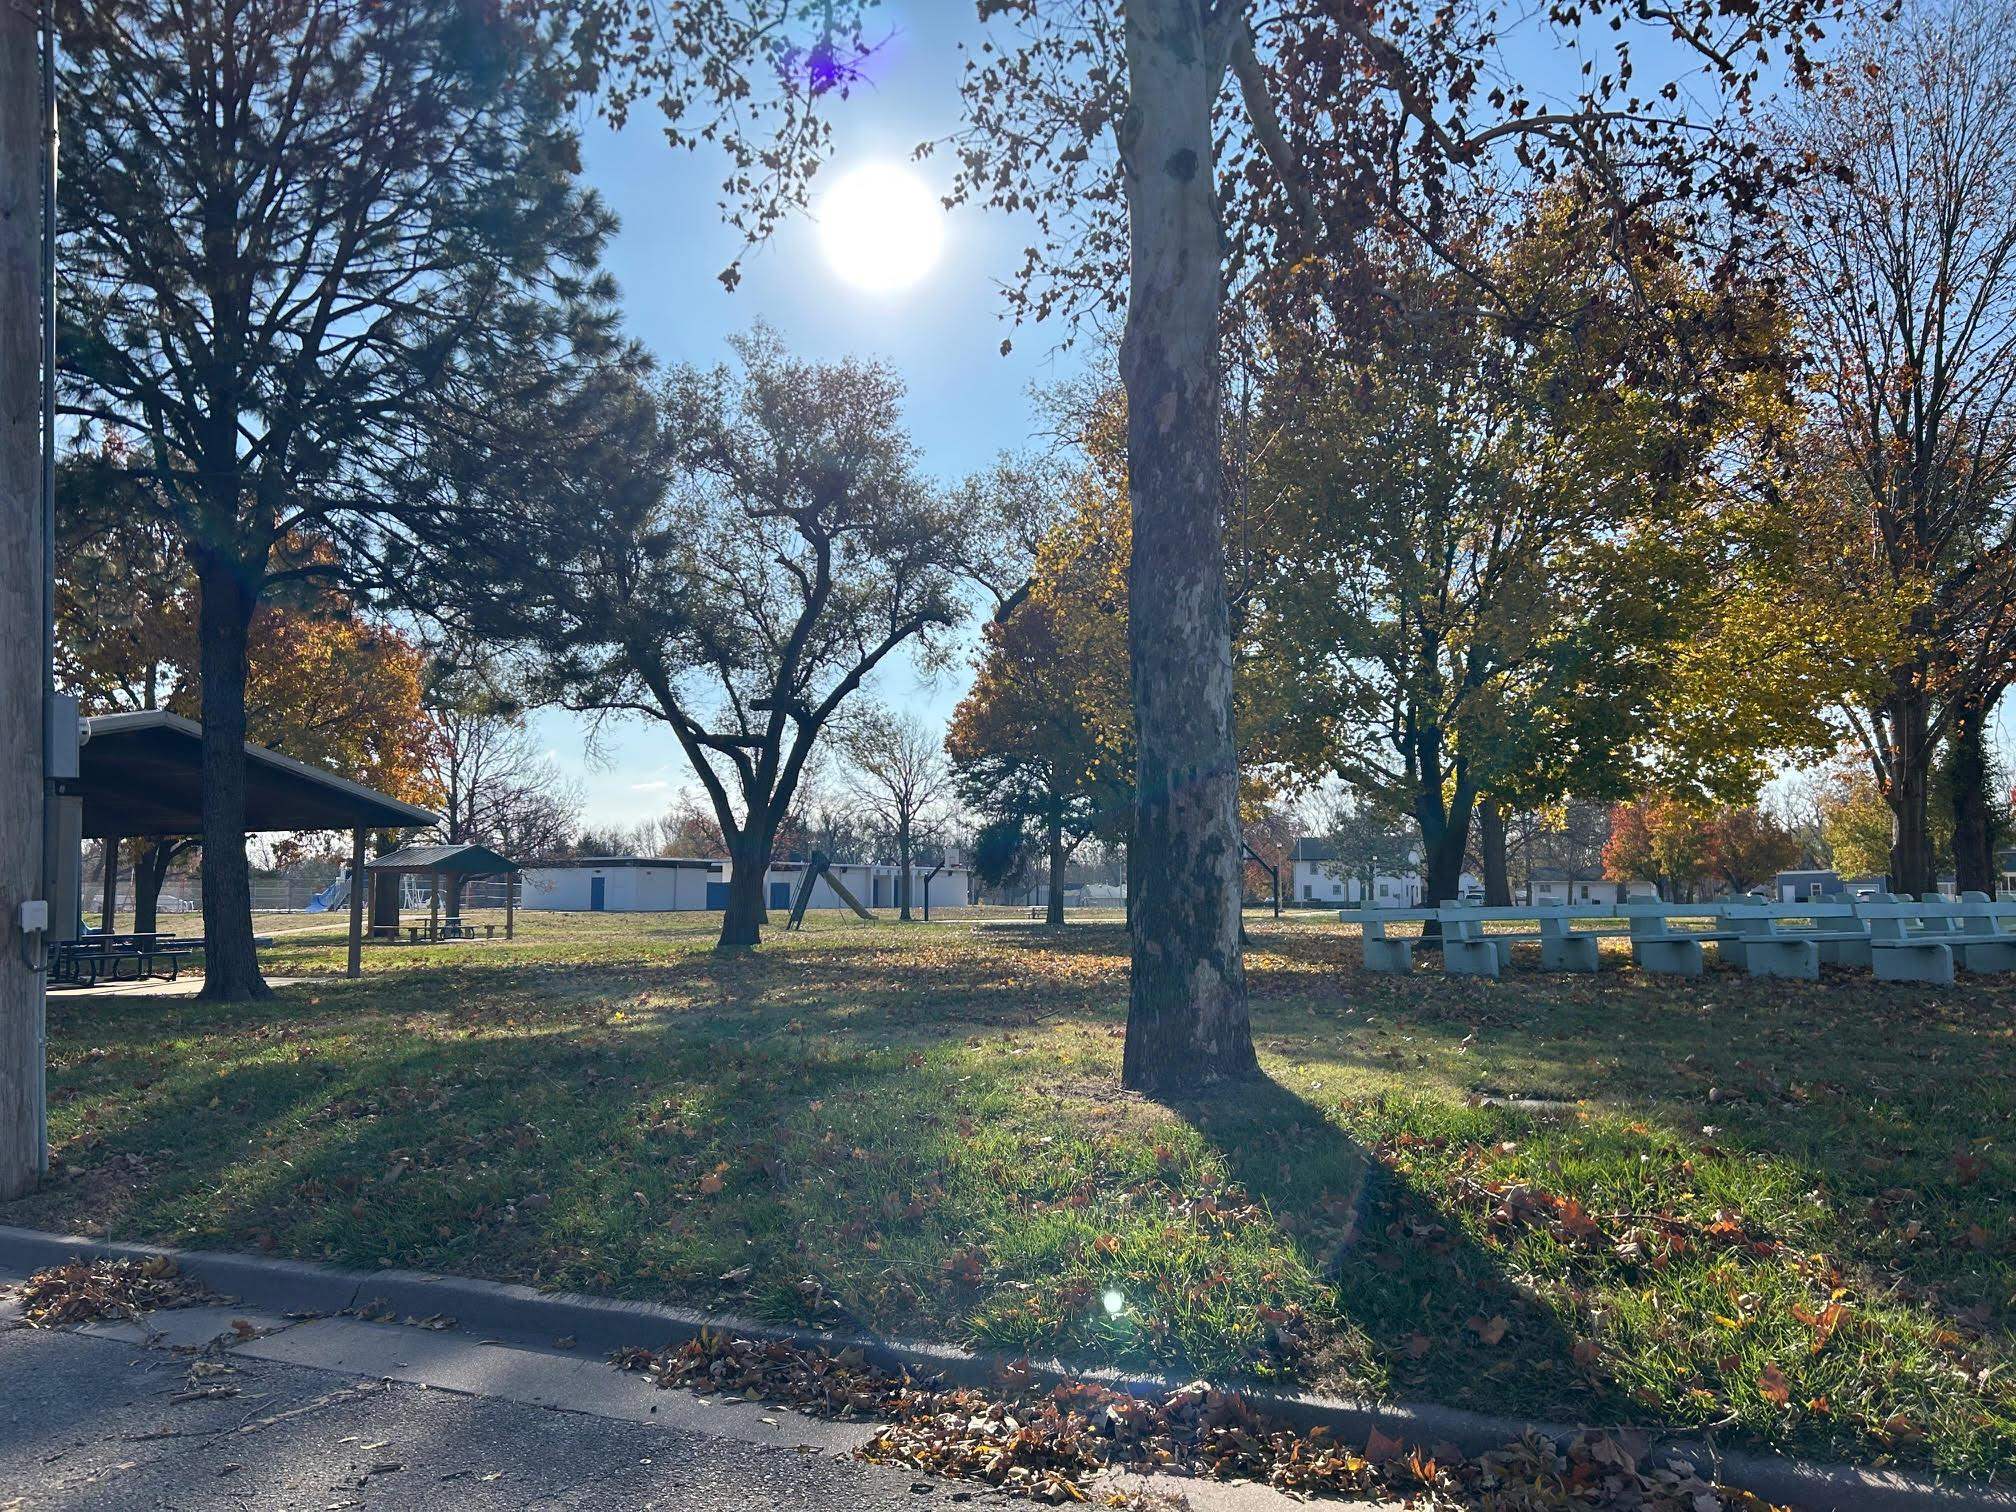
(1055, 1445)
(81, 1292)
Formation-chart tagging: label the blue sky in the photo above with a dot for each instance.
(966, 401)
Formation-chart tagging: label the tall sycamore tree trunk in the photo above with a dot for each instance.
(1491, 842)
(1908, 792)
(230, 961)
(1186, 1020)
(1970, 782)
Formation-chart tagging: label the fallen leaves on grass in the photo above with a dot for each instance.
(1052, 1446)
(86, 1292)
(1772, 1383)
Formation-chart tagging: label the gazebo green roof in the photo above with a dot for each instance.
(449, 860)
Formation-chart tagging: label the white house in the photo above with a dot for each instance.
(670, 884)
(1320, 879)
(1552, 884)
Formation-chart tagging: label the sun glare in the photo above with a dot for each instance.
(881, 228)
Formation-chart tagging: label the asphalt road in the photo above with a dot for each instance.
(91, 1422)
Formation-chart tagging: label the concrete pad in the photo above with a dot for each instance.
(186, 985)
(1190, 1492)
(185, 1327)
(1912, 961)
(566, 1379)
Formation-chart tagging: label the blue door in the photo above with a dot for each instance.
(780, 894)
(595, 894)
(717, 895)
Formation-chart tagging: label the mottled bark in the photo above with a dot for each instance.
(1187, 1025)
(230, 961)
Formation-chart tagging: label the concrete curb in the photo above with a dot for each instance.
(596, 1323)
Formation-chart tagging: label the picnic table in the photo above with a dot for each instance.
(432, 933)
(1898, 939)
(147, 953)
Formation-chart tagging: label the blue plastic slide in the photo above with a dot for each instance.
(335, 895)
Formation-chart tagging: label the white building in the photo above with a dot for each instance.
(1551, 884)
(625, 884)
(662, 884)
(1320, 879)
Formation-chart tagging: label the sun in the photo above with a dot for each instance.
(881, 228)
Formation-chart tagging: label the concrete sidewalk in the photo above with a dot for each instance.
(220, 1406)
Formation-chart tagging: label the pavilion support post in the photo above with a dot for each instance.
(434, 908)
(359, 885)
(510, 903)
(110, 916)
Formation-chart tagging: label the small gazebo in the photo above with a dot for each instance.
(443, 863)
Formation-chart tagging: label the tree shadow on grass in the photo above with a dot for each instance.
(1421, 1311)
(783, 1066)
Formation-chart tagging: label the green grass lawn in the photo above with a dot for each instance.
(1781, 1210)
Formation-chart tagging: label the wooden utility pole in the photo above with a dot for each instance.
(22, 608)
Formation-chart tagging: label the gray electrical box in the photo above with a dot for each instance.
(60, 738)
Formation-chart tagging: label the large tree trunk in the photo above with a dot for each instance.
(1907, 794)
(1186, 1019)
(903, 872)
(1491, 843)
(1445, 838)
(1053, 912)
(150, 872)
(230, 961)
(742, 922)
(1970, 786)
(21, 602)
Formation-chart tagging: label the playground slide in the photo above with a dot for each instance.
(335, 895)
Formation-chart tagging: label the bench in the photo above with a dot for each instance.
(1468, 948)
(1656, 945)
(1971, 928)
(1384, 954)
(1773, 942)
(1900, 953)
